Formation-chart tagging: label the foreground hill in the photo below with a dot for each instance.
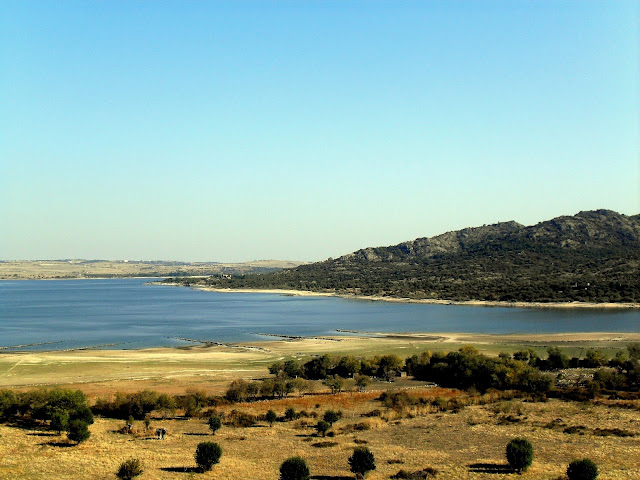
(593, 256)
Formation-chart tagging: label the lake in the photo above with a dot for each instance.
(126, 313)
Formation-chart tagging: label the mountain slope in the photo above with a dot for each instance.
(592, 256)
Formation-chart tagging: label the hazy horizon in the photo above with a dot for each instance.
(235, 261)
(236, 131)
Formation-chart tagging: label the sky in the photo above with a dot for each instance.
(302, 130)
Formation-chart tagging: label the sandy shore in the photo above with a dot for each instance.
(212, 367)
(473, 303)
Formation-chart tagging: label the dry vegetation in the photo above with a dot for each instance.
(43, 269)
(468, 444)
(212, 367)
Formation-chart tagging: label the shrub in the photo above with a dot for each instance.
(426, 473)
(238, 391)
(240, 419)
(396, 400)
(207, 455)
(271, 417)
(519, 454)
(82, 413)
(322, 427)
(78, 431)
(59, 421)
(294, 468)
(290, 413)
(583, 469)
(331, 417)
(214, 423)
(362, 461)
(129, 469)
(556, 359)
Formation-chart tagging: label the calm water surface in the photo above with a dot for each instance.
(126, 312)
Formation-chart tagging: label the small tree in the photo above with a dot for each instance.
(362, 381)
(207, 455)
(294, 468)
(583, 469)
(362, 461)
(78, 431)
(519, 454)
(290, 413)
(331, 417)
(557, 359)
(59, 421)
(129, 469)
(82, 413)
(271, 417)
(214, 423)
(335, 383)
(322, 427)
(147, 423)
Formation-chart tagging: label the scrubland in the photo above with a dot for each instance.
(462, 434)
(468, 443)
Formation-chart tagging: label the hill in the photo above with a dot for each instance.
(593, 256)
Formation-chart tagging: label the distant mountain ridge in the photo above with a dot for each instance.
(592, 256)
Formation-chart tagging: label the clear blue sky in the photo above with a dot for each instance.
(232, 131)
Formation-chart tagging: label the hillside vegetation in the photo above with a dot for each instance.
(593, 256)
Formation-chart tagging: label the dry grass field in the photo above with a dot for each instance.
(49, 269)
(469, 444)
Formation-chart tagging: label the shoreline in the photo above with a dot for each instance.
(330, 341)
(469, 303)
(214, 366)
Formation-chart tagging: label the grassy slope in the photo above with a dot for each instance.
(446, 441)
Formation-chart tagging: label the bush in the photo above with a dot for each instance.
(214, 423)
(240, 419)
(207, 455)
(362, 461)
(271, 417)
(322, 427)
(426, 473)
(294, 468)
(290, 414)
(78, 431)
(59, 421)
(82, 413)
(331, 417)
(129, 469)
(583, 469)
(519, 454)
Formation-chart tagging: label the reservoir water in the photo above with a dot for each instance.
(127, 313)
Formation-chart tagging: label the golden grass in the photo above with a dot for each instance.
(446, 441)
(449, 442)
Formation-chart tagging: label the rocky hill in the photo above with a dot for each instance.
(592, 256)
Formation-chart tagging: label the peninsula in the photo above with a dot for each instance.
(592, 257)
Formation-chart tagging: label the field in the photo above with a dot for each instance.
(50, 269)
(212, 367)
(468, 443)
